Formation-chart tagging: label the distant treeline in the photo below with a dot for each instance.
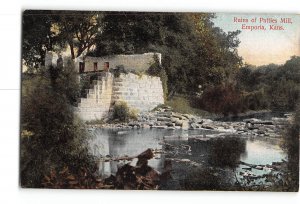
(198, 59)
(274, 87)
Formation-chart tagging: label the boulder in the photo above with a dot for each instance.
(209, 127)
(146, 126)
(163, 119)
(200, 122)
(194, 126)
(144, 157)
(169, 124)
(175, 115)
(178, 122)
(185, 125)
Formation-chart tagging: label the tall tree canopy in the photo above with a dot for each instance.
(37, 37)
(57, 30)
(194, 51)
(77, 29)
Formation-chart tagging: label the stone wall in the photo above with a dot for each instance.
(140, 92)
(137, 62)
(52, 57)
(98, 101)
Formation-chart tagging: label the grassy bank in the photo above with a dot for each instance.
(182, 104)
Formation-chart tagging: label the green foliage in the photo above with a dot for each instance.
(157, 70)
(223, 99)
(45, 30)
(57, 137)
(183, 104)
(118, 70)
(271, 86)
(291, 144)
(95, 122)
(255, 100)
(194, 52)
(191, 47)
(122, 113)
(37, 37)
(78, 29)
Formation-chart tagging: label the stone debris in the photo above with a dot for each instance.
(138, 177)
(164, 118)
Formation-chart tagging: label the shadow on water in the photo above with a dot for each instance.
(218, 158)
(191, 164)
(226, 152)
(264, 115)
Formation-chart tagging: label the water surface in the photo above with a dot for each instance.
(217, 159)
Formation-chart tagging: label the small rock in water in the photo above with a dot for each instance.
(259, 167)
(185, 125)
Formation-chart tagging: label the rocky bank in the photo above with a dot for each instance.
(165, 118)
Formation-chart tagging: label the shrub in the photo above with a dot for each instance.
(95, 122)
(223, 99)
(184, 104)
(57, 137)
(291, 144)
(118, 70)
(122, 113)
(255, 100)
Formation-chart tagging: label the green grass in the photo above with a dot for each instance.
(181, 104)
(95, 122)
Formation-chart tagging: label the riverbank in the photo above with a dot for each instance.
(165, 118)
(200, 153)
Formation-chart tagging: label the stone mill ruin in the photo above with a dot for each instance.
(141, 92)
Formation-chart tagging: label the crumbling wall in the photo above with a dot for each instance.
(52, 57)
(98, 101)
(136, 62)
(142, 93)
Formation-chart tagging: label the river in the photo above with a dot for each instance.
(195, 163)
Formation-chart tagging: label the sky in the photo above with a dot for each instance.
(260, 47)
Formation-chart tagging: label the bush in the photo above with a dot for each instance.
(284, 95)
(255, 100)
(291, 144)
(55, 137)
(118, 70)
(95, 122)
(122, 113)
(183, 104)
(223, 99)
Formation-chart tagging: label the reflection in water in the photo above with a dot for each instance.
(226, 151)
(263, 152)
(217, 159)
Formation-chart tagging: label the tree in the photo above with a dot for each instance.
(78, 29)
(38, 37)
(52, 137)
(276, 87)
(53, 30)
(194, 52)
(217, 49)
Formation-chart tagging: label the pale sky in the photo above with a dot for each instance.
(259, 47)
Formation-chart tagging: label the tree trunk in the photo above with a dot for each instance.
(72, 49)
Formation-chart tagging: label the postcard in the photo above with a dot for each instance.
(160, 101)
